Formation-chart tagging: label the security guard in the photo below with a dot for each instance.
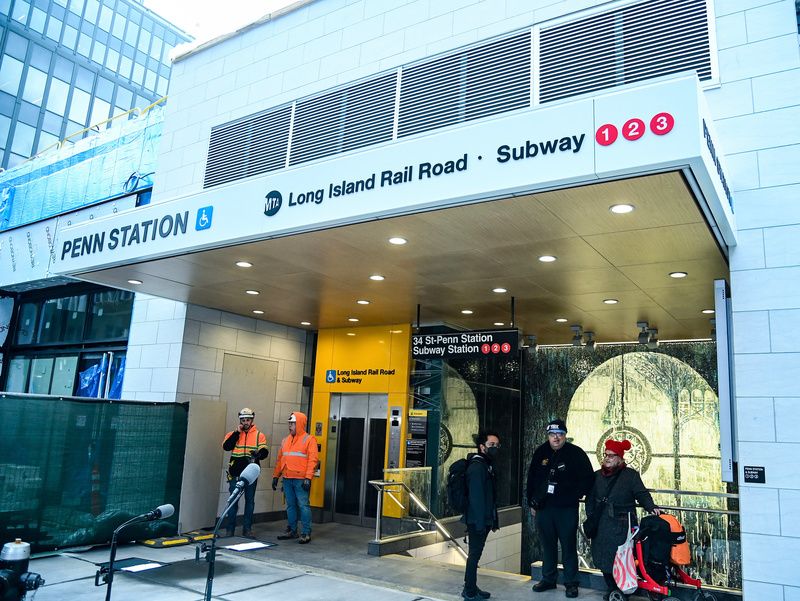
(247, 445)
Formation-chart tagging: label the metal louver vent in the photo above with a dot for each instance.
(345, 119)
(631, 44)
(250, 146)
(489, 79)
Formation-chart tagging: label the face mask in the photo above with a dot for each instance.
(492, 452)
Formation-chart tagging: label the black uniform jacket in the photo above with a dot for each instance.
(481, 510)
(568, 469)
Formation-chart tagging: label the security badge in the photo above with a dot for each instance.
(551, 486)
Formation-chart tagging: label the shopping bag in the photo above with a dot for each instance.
(625, 565)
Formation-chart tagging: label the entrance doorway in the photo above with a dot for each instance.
(356, 452)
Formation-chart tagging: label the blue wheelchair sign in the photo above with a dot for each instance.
(203, 221)
(330, 376)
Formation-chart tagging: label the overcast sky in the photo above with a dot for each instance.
(206, 19)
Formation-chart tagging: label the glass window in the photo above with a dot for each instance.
(105, 89)
(63, 319)
(16, 46)
(54, 29)
(118, 30)
(138, 74)
(100, 110)
(70, 37)
(91, 11)
(124, 98)
(85, 79)
(112, 59)
(22, 144)
(52, 123)
(76, 6)
(61, 2)
(57, 97)
(26, 323)
(10, 75)
(64, 375)
(28, 113)
(21, 10)
(131, 33)
(98, 52)
(41, 57)
(7, 102)
(63, 68)
(18, 369)
(5, 6)
(105, 18)
(38, 19)
(161, 88)
(144, 41)
(34, 86)
(84, 45)
(155, 48)
(110, 317)
(5, 125)
(79, 107)
(45, 141)
(41, 374)
(16, 159)
(125, 65)
(150, 80)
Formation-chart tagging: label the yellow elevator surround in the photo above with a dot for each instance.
(366, 360)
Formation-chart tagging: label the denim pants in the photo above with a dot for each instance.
(249, 506)
(297, 501)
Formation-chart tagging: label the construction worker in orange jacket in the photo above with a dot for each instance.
(296, 462)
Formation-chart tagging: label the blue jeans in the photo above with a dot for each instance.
(249, 506)
(297, 500)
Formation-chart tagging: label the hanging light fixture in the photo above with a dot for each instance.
(652, 342)
(590, 341)
(577, 339)
(644, 335)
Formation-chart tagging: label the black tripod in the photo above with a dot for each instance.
(212, 550)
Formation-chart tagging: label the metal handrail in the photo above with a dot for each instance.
(384, 486)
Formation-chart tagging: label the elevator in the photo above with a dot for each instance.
(356, 452)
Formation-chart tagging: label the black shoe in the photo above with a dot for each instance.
(288, 535)
(479, 595)
(484, 594)
(542, 586)
(247, 534)
(304, 539)
(572, 591)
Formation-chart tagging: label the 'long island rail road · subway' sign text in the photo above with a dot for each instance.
(653, 127)
(475, 343)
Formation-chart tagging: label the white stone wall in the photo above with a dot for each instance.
(757, 112)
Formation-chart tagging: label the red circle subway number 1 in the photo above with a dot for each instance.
(633, 129)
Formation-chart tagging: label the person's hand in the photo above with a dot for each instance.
(239, 428)
(306, 484)
(657, 511)
(274, 484)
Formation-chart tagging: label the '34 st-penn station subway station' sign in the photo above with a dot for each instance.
(475, 343)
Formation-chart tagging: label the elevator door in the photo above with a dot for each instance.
(358, 432)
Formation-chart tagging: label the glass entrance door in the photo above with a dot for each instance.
(357, 444)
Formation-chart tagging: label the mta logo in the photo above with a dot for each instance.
(330, 376)
(203, 221)
(273, 203)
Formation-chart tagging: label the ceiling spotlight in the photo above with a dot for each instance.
(351, 333)
(621, 209)
(610, 301)
(253, 292)
(707, 311)
(352, 319)
(547, 258)
(135, 282)
(305, 323)
(561, 320)
(652, 342)
(590, 341)
(362, 302)
(678, 274)
(377, 278)
(243, 264)
(397, 241)
(258, 312)
(499, 290)
(499, 323)
(577, 339)
(467, 311)
(644, 335)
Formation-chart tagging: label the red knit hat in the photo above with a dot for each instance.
(618, 446)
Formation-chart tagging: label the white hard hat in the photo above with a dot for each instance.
(247, 412)
(292, 418)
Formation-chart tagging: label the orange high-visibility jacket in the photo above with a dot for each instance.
(298, 455)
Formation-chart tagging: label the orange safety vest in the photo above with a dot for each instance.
(252, 440)
(298, 455)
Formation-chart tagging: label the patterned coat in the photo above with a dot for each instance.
(613, 527)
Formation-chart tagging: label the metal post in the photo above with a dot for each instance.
(378, 517)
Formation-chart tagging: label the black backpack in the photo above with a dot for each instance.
(457, 485)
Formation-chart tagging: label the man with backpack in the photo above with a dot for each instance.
(479, 507)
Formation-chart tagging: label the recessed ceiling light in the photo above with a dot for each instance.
(258, 312)
(351, 333)
(362, 301)
(610, 301)
(708, 311)
(305, 323)
(377, 277)
(621, 209)
(253, 292)
(466, 311)
(547, 258)
(499, 323)
(561, 320)
(397, 240)
(678, 274)
(353, 319)
(135, 282)
(243, 264)
(499, 290)
(395, 331)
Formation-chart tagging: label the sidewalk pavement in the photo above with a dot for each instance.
(333, 567)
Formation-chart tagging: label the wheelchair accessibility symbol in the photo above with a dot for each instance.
(204, 218)
(330, 376)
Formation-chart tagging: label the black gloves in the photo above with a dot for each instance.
(274, 484)
(306, 484)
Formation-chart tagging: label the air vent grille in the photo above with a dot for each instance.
(638, 42)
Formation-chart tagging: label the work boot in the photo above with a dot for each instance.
(542, 586)
(304, 539)
(572, 590)
(479, 595)
(289, 534)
